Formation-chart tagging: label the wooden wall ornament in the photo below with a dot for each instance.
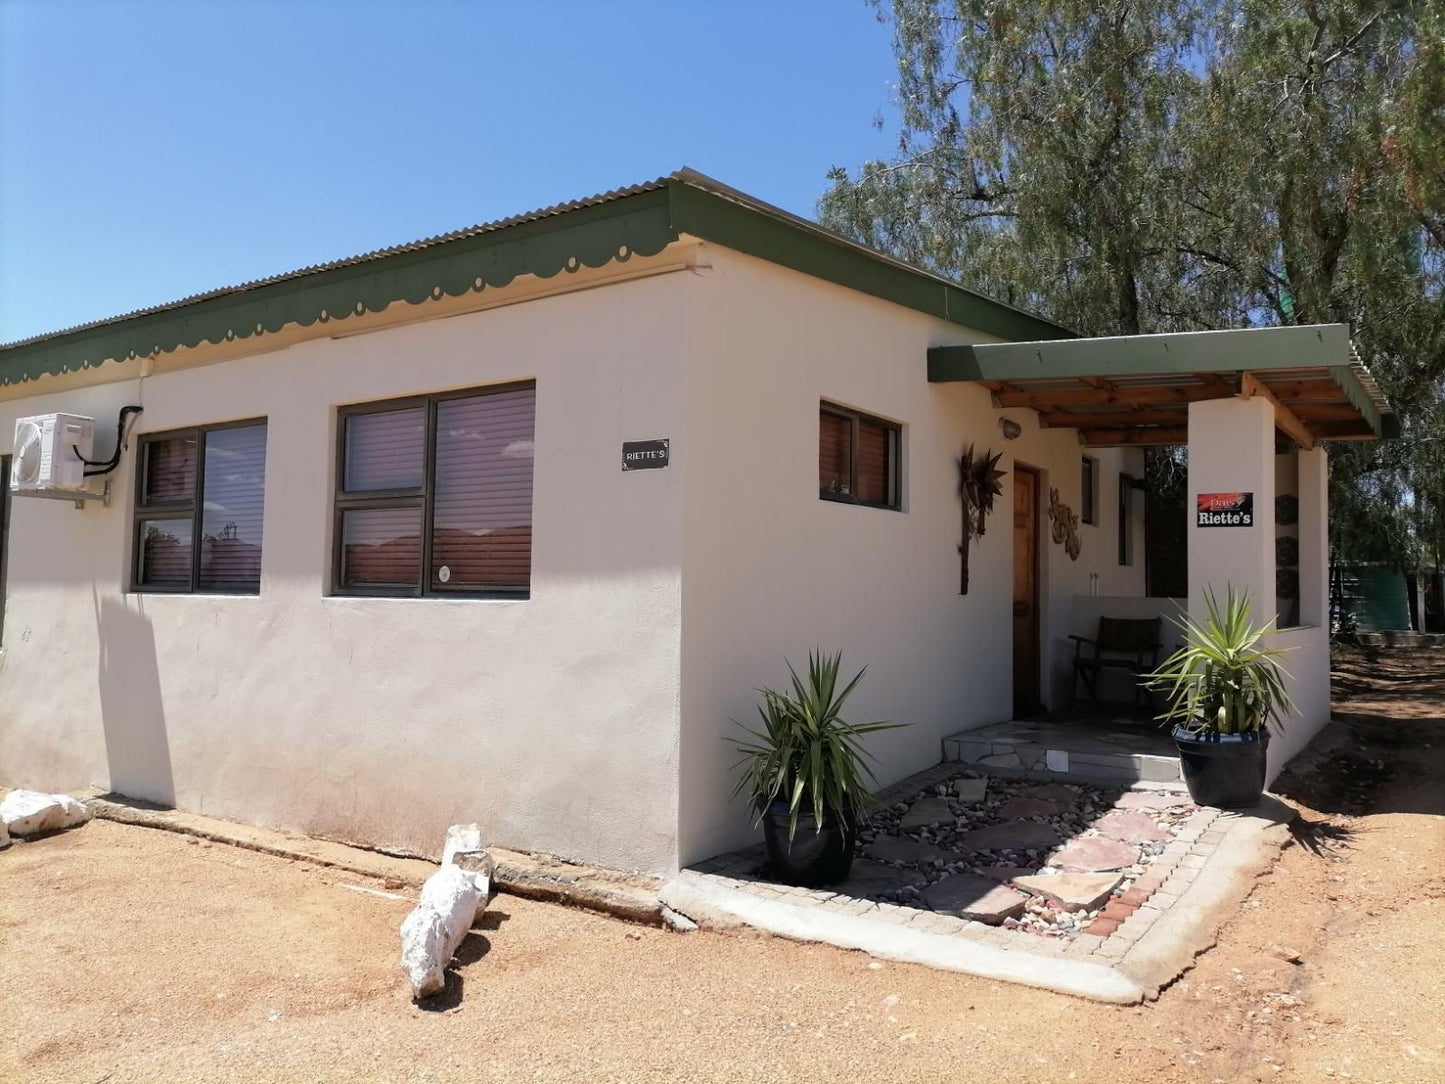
(1065, 525)
(979, 482)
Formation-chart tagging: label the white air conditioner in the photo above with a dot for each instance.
(45, 453)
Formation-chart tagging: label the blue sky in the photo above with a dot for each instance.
(151, 150)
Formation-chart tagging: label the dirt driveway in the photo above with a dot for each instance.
(128, 954)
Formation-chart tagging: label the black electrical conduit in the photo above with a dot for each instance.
(105, 466)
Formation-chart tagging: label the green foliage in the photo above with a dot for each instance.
(1133, 166)
(805, 754)
(1222, 680)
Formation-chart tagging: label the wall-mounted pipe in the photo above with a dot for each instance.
(95, 467)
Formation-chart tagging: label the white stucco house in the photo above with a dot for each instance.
(507, 525)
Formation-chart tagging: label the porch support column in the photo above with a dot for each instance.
(1314, 538)
(1231, 450)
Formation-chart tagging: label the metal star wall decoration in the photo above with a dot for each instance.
(979, 482)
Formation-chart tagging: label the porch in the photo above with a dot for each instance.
(1252, 406)
(1097, 745)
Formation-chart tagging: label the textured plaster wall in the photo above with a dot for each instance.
(771, 571)
(552, 721)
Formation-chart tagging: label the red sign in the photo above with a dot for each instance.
(1224, 509)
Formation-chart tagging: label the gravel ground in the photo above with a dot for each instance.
(128, 954)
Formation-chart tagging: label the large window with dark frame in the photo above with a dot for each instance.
(434, 495)
(199, 509)
(858, 458)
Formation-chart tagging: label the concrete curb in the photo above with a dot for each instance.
(705, 901)
(1192, 924)
(631, 897)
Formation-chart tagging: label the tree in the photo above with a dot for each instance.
(1128, 167)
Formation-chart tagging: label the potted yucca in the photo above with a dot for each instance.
(1224, 687)
(805, 771)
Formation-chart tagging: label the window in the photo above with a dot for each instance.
(1089, 493)
(199, 504)
(857, 458)
(1126, 533)
(434, 495)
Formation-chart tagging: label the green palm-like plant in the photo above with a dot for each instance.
(805, 754)
(1222, 679)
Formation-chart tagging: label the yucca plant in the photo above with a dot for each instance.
(1223, 679)
(805, 754)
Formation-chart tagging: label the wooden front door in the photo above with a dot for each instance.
(1026, 590)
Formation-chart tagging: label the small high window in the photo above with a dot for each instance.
(1089, 491)
(199, 510)
(434, 495)
(858, 458)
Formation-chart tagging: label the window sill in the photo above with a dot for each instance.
(859, 504)
(155, 593)
(361, 597)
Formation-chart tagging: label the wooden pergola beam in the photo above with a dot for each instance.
(1136, 437)
(1114, 419)
(1325, 412)
(1019, 394)
(1290, 390)
(1285, 419)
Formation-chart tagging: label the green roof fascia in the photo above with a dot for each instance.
(1317, 346)
(587, 236)
(773, 235)
(641, 221)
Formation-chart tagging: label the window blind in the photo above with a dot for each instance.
(482, 510)
(835, 454)
(234, 490)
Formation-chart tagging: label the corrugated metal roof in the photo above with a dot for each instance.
(365, 257)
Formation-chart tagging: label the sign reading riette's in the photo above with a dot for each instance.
(1225, 509)
(645, 454)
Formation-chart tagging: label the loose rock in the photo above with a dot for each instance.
(1072, 891)
(431, 934)
(969, 896)
(29, 812)
(1009, 836)
(1031, 807)
(1131, 826)
(927, 812)
(970, 789)
(1096, 855)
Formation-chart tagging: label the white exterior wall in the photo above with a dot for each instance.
(552, 721)
(772, 571)
(590, 720)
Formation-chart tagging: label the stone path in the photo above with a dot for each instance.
(1053, 868)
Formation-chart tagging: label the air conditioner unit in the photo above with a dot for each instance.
(45, 453)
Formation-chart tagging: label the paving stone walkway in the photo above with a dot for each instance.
(1054, 869)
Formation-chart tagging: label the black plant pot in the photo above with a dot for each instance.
(1223, 770)
(813, 857)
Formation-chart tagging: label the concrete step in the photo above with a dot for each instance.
(1059, 751)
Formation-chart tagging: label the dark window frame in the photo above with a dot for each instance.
(423, 497)
(894, 503)
(1126, 536)
(190, 509)
(1089, 496)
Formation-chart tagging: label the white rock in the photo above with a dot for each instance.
(461, 837)
(29, 812)
(431, 934)
(481, 866)
(4, 836)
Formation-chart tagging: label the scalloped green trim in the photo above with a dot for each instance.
(641, 224)
(587, 237)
